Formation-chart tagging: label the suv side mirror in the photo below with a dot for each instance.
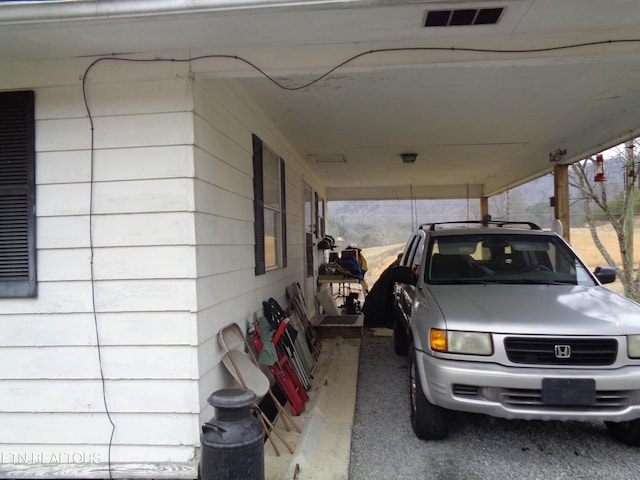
(403, 274)
(605, 274)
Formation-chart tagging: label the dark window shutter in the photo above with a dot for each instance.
(317, 202)
(17, 195)
(323, 220)
(283, 214)
(258, 206)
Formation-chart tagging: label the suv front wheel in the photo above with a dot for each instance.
(625, 432)
(429, 421)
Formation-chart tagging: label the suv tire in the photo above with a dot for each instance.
(429, 421)
(400, 337)
(626, 432)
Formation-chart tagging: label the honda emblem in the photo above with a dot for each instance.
(562, 351)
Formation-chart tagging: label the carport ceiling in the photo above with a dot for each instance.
(483, 106)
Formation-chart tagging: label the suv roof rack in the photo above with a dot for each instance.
(485, 223)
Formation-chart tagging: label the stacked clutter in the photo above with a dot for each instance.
(275, 359)
(274, 338)
(350, 263)
(245, 368)
(288, 355)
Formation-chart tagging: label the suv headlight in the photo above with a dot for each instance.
(633, 346)
(471, 343)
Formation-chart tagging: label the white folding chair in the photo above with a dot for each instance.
(245, 369)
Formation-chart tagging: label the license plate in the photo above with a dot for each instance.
(568, 391)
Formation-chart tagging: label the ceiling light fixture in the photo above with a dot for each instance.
(409, 157)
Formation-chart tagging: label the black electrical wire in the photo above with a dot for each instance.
(283, 87)
(351, 59)
(93, 292)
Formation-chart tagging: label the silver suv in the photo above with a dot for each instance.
(504, 319)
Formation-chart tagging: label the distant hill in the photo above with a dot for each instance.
(376, 223)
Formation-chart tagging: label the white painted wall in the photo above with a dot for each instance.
(228, 290)
(51, 407)
(173, 263)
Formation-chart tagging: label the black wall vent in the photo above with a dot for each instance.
(465, 16)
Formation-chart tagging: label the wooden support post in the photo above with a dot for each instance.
(484, 207)
(561, 193)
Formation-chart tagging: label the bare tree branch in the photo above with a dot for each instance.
(580, 179)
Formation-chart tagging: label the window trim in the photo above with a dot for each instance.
(259, 211)
(308, 214)
(283, 211)
(17, 196)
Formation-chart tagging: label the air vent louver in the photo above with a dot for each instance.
(463, 17)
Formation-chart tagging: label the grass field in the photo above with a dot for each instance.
(582, 243)
(378, 258)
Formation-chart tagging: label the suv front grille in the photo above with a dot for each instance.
(561, 351)
(526, 398)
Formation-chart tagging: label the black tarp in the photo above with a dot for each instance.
(378, 305)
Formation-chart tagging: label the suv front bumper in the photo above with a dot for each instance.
(516, 392)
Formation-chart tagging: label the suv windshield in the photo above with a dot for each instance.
(503, 258)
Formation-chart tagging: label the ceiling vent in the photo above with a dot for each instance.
(463, 16)
(328, 158)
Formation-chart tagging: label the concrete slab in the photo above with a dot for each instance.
(322, 450)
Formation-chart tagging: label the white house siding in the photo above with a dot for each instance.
(173, 262)
(228, 290)
(51, 406)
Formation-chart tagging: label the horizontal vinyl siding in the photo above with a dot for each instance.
(48, 396)
(22, 454)
(170, 228)
(144, 265)
(78, 329)
(91, 429)
(145, 262)
(223, 259)
(142, 163)
(219, 230)
(223, 192)
(224, 227)
(144, 295)
(119, 362)
(227, 288)
(211, 319)
(164, 195)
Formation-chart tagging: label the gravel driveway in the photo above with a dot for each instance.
(383, 445)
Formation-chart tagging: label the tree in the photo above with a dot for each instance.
(618, 213)
(616, 206)
(541, 212)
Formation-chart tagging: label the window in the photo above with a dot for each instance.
(320, 219)
(17, 195)
(505, 258)
(270, 225)
(413, 252)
